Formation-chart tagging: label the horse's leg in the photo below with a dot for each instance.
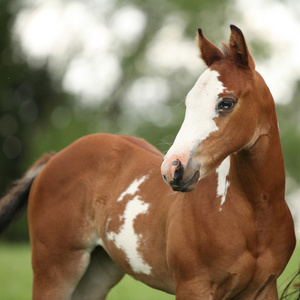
(193, 290)
(101, 275)
(57, 271)
(62, 236)
(269, 293)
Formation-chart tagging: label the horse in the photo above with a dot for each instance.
(219, 229)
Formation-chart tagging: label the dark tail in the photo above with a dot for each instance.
(15, 202)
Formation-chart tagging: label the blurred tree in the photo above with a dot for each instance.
(289, 125)
(27, 99)
(190, 15)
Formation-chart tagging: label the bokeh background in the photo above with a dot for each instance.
(70, 68)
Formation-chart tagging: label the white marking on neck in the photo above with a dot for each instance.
(223, 182)
(127, 240)
(200, 112)
(133, 188)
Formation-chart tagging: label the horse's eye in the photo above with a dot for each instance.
(225, 104)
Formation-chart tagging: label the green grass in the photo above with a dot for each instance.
(16, 277)
(291, 269)
(15, 272)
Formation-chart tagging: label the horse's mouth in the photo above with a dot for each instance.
(187, 186)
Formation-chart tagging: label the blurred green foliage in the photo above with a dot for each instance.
(289, 125)
(37, 115)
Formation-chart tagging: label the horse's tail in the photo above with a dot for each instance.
(14, 203)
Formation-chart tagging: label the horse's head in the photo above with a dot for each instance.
(226, 112)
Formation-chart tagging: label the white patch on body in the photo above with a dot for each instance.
(133, 188)
(223, 182)
(127, 240)
(200, 112)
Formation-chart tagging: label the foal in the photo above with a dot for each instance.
(99, 208)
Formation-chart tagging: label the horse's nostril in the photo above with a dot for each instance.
(178, 172)
(177, 164)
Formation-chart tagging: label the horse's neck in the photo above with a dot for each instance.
(259, 171)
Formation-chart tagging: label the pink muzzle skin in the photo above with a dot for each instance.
(172, 164)
(174, 170)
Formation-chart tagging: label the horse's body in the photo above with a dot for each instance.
(99, 208)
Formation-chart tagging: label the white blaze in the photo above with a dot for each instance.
(223, 182)
(200, 112)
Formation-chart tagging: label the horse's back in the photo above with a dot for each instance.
(97, 153)
(93, 165)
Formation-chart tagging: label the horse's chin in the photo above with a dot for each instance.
(188, 185)
(191, 184)
(204, 173)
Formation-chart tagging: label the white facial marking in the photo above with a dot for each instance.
(200, 112)
(133, 188)
(223, 182)
(127, 240)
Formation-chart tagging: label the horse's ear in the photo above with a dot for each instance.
(209, 52)
(239, 48)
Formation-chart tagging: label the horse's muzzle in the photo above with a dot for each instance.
(182, 178)
(185, 186)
